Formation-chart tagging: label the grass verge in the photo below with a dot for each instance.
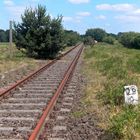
(108, 68)
(16, 60)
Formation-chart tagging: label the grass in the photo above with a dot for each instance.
(108, 68)
(16, 60)
(78, 114)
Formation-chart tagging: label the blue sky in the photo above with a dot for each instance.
(79, 15)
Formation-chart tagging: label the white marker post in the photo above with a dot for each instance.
(131, 94)
(10, 39)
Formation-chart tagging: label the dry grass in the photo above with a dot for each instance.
(17, 60)
(108, 68)
(95, 85)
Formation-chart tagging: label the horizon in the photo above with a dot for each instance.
(80, 15)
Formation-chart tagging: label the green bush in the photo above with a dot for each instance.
(109, 40)
(40, 35)
(130, 39)
(136, 42)
(71, 37)
(89, 41)
(96, 33)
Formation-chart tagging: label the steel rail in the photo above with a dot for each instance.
(52, 102)
(34, 73)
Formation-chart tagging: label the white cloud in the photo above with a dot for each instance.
(8, 2)
(17, 10)
(127, 13)
(83, 14)
(136, 12)
(116, 7)
(34, 0)
(101, 17)
(77, 20)
(14, 10)
(79, 1)
(128, 18)
(79, 17)
(72, 19)
(67, 19)
(107, 25)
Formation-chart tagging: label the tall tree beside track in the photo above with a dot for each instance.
(37, 31)
(56, 35)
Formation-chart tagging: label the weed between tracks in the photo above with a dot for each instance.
(108, 68)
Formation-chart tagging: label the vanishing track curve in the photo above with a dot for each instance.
(22, 108)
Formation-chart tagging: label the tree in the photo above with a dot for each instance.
(112, 35)
(89, 40)
(136, 42)
(37, 31)
(97, 33)
(109, 39)
(126, 39)
(7, 35)
(56, 35)
(2, 36)
(130, 39)
(71, 37)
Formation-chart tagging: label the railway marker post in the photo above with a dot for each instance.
(131, 94)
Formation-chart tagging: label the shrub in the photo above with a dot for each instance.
(109, 40)
(39, 34)
(130, 39)
(89, 40)
(97, 33)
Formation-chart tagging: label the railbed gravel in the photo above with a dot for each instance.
(83, 127)
(77, 128)
(16, 74)
(19, 126)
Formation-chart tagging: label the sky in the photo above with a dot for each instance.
(79, 15)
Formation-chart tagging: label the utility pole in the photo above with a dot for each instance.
(10, 39)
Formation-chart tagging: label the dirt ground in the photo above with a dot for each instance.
(13, 75)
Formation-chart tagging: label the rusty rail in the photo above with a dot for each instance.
(55, 97)
(34, 73)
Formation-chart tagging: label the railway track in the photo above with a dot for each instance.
(21, 108)
(57, 126)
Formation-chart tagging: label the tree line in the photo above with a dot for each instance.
(127, 39)
(130, 39)
(40, 35)
(4, 35)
